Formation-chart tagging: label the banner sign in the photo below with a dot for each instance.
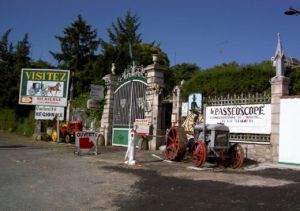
(255, 118)
(49, 112)
(184, 109)
(142, 127)
(46, 87)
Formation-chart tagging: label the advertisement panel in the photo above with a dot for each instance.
(142, 127)
(49, 112)
(255, 118)
(46, 87)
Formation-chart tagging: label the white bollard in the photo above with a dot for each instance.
(130, 153)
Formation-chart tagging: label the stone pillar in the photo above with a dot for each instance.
(107, 115)
(177, 105)
(155, 83)
(37, 130)
(279, 88)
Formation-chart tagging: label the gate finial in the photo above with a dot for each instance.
(278, 59)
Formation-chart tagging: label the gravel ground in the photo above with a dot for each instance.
(48, 176)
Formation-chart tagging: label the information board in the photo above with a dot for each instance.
(255, 118)
(49, 112)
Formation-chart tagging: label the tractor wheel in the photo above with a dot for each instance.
(67, 138)
(175, 144)
(54, 135)
(237, 156)
(199, 153)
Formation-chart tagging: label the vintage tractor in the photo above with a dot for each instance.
(209, 142)
(68, 129)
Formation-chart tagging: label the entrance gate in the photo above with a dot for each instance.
(129, 101)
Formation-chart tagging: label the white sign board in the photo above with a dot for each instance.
(97, 92)
(289, 131)
(86, 142)
(49, 112)
(255, 118)
(184, 109)
(142, 127)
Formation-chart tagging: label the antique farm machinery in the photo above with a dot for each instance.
(209, 142)
(68, 129)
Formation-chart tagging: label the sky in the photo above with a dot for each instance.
(202, 32)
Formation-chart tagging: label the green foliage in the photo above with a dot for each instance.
(8, 119)
(174, 75)
(26, 125)
(231, 79)
(125, 45)
(78, 45)
(40, 64)
(12, 59)
(184, 71)
(12, 122)
(294, 75)
(80, 102)
(125, 30)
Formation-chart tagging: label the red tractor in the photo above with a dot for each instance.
(68, 129)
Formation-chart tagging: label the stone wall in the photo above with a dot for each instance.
(258, 152)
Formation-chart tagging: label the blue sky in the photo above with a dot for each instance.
(204, 32)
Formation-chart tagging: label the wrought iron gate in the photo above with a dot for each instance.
(129, 101)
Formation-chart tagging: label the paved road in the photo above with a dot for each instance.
(48, 176)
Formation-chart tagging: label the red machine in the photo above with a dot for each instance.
(68, 129)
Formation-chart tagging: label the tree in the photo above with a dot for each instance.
(125, 30)
(21, 60)
(12, 59)
(125, 46)
(184, 71)
(294, 75)
(6, 68)
(78, 45)
(123, 41)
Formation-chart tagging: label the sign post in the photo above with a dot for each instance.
(44, 87)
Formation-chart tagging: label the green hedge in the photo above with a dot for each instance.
(9, 121)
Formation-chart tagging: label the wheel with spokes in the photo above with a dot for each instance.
(237, 153)
(68, 138)
(199, 153)
(175, 144)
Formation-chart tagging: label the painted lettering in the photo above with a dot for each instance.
(45, 76)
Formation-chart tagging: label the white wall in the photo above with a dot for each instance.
(289, 131)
